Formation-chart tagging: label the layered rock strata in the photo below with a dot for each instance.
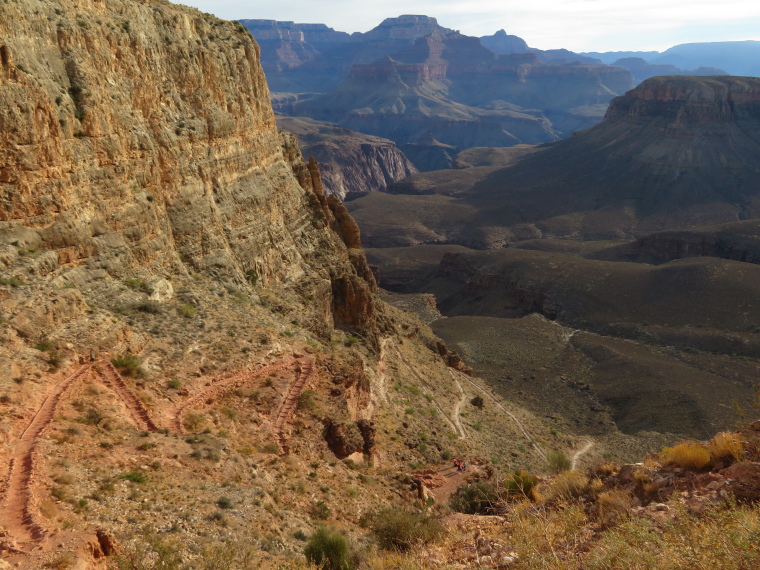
(129, 139)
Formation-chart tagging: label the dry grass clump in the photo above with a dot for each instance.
(726, 446)
(613, 507)
(397, 529)
(724, 538)
(690, 455)
(563, 538)
(566, 487)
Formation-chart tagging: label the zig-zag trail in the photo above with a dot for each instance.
(221, 385)
(290, 402)
(137, 409)
(18, 514)
(454, 420)
(499, 405)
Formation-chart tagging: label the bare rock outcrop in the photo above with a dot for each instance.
(130, 140)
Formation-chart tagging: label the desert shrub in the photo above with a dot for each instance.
(690, 455)
(479, 498)
(128, 364)
(520, 483)
(224, 503)
(726, 446)
(152, 307)
(329, 549)
(613, 507)
(44, 345)
(12, 281)
(320, 511)
(252, 277)
(306, 400)
(187, 311)
(567, 486)
(93, 417)
(54, 359)
(557, 462)
(194, 421)
(137, 284)
(270, 448)
(397, 529)
(134, 476)
(477, 401)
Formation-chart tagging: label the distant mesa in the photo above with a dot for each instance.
(676, 152)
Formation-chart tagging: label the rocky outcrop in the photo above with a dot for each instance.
(501, 42)
(132, 141)
(349, 161)
(688, 102)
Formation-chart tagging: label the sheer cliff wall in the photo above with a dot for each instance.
(140, 134)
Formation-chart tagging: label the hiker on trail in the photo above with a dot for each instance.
(456, 462)
(464, 466)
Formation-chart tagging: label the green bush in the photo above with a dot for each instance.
(134, 476)
(520, 483)
(128, 364)
(479, 498)
(557, 462)
(321, 511)
(397, 529)
(329, 550)
(187, 311)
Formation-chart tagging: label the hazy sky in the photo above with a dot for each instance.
(579, 25)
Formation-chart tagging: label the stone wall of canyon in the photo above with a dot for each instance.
(140, 135)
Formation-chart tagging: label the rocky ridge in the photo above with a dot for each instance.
(349, 162)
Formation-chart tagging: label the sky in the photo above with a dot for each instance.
(577, 25)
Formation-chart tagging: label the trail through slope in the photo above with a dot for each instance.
(19, 514)
(456, 416)
(581, 451)
(499, 405)
(290, 402)
(137, 409)
(455, 424)
(221, 385)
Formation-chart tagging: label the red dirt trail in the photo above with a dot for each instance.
(18, 514)
(115, 382)
(221, 385)
(288, 406)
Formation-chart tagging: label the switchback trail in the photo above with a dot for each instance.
(499, 405)
(455, 424)
(581, 451)
(220, 385)
(290, 402)
(137, 409)
(18, 514)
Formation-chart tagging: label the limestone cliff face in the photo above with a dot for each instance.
(349, 161)
(141, 135)
(687, 101)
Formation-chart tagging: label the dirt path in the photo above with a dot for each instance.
(581, 451)
(456, 416)
(19, 513)
(443, 482)
(499, 405)
(289, 403)
(220, 385)
(137, 409)
(456, 425)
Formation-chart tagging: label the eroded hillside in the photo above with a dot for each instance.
(192, 352)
